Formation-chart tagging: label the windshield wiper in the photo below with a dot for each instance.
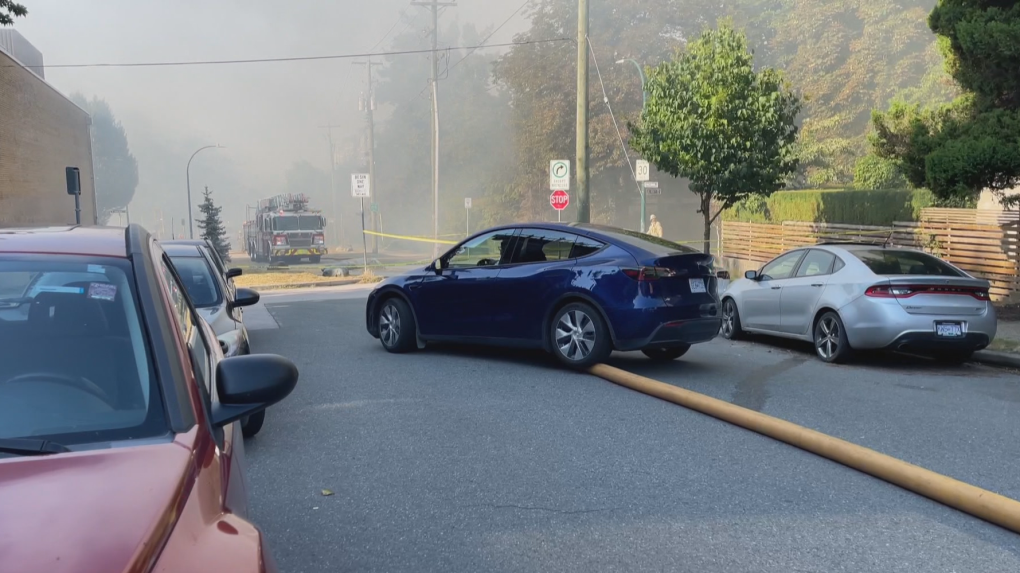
(31, 447)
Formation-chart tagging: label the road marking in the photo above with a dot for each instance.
(981, 503)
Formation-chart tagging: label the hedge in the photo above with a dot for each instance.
(846, 206)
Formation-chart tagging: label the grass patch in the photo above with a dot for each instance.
(1005, 345)
(368, 277)
(280, 279)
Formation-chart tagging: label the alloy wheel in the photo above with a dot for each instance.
(575, 335)
(828, 337)
(389, 325)
(729, 312)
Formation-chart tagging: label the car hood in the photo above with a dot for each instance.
(102, 510)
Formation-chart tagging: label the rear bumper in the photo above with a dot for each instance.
(666, 331)
(302, 252)
(929, 342)
(874, 324)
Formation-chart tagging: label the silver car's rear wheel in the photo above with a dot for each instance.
(831, 343)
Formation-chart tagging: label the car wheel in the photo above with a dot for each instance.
(831, 343)
(731, 329)
(580, 338)
(316, 259)
(396, 326)
(667, 353)
(251, 425)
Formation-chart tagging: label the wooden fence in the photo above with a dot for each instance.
(986, 244)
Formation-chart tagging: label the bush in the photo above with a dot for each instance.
(850, 207)
(873, 172)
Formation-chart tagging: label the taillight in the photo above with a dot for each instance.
(645, 274)
(280, 240)
(318, 239)
(907, 291)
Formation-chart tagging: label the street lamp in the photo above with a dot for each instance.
(191, 226)
(644, 103)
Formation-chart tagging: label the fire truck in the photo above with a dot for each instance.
(285, 230)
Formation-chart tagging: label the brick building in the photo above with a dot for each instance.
(41, 133)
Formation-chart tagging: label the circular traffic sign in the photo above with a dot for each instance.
(559, 200)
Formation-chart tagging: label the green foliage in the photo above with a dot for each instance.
(714, 120)
(958, 150)
(116, 170)
(9, 9)
(874, 172)
(211, 225)
(851, 207)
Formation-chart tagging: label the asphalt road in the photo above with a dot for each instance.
(467, 459)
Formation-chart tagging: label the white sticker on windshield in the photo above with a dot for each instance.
(61, 289)
(102, 291)
(97, 269)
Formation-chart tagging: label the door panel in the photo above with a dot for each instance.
(540, 270)
(801, 293)
(761, 301)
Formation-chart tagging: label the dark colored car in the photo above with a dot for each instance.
(212, 291)
(579, 291)
(120, 444)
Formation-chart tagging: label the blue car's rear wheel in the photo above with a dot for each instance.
(397, 330)
(579, 336)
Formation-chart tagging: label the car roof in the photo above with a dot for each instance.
(181, 250)
(195, 242)
(68, 240)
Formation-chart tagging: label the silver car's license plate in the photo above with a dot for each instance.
(949, 329)
(697, 285)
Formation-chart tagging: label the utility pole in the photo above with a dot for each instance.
(332, 183)
(583, 197)
(435, 5)
(370, 110)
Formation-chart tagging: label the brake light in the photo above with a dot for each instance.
(280, 240)
(646, 274)
(318, 239)
(907, 291)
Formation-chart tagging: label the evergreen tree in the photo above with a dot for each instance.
(212, 227)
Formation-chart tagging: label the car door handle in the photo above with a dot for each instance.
(818, 285)
(776, 288)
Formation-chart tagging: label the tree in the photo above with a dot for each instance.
(211, 225)
(9, 9)
(713, 119)
(959, 149)
(116, 170)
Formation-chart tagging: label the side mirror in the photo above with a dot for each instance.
(724, 275)
(234, 273)
(751, 275)
(438, 266)
(249, 384)
(245, 297)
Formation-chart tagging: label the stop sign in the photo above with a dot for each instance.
(559, 200)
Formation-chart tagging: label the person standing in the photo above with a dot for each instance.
(655, 228)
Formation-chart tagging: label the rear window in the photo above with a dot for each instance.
(198, 280)
(893, 262)
(654, 245)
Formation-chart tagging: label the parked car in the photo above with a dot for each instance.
(843, 297)
(120, 444)
(218, 302)
(579, 291)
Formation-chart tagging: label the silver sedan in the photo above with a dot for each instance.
(843, 297)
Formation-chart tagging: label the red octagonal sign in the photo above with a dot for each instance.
(559, 200)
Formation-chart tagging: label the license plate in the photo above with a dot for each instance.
(698, 285)
(949, 329)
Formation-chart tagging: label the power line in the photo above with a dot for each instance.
(290, 59)
(507, 21)
(400, 17)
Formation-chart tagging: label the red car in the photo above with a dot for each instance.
(120, 449)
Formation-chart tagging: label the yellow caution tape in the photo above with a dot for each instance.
(406, 238)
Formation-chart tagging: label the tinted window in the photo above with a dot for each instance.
(583, 246)
(540, 245)
(654, 245)
(75, 364)
(486, 250)
(816, 263)
(838, 266)
(892, 262)
(189, 327)
(782, 267)
(198, 280)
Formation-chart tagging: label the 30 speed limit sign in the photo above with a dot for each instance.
(643, 170)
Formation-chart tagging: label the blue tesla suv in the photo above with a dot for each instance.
(579, 291)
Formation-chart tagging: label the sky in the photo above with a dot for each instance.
(267, 115)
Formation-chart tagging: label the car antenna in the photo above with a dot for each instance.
(887, 239)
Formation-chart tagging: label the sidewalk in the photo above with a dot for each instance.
(1005, 349)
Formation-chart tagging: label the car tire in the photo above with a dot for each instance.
(666, 354)
(579, 337)
(831, 343)
(251, 425)
(731, 329)
(316, 259)
(396, 325)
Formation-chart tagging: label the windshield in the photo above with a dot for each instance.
(298, 223)
(198, 280)
(891, 262)
(75, 365)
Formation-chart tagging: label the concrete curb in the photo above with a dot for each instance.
(306, 285)
(981, 503)
(1001, 359)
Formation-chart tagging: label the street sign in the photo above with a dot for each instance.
(374, 207)
(643, 170)
(361, 187)
(559, 200)
(651, 184)
(467, 202)
(559, 175)
(653, 191)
